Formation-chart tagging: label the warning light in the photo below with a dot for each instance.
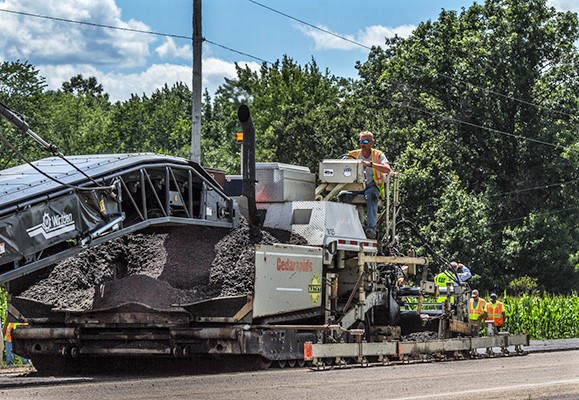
(308, 351)
(175, 198)
(239, 137)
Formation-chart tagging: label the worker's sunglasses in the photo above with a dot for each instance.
(365, 141)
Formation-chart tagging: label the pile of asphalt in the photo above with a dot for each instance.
(177, 266)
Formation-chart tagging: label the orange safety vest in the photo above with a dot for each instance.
(8, 334)
(376, 175)
(476, 312)
(9, 328)
(495, 312)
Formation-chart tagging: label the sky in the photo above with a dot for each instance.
(152, 45)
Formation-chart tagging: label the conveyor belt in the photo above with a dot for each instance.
(51, 211)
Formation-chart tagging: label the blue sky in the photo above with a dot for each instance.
(127, 62)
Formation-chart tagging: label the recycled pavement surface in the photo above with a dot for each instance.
(26, 375)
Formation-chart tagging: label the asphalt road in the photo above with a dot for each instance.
(538, 375)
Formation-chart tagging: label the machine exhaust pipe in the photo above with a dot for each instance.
(255, 218)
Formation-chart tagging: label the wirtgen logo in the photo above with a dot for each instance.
(52, 226)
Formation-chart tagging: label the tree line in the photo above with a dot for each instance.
(477, 110)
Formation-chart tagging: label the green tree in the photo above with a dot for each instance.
(76, 117)
(483, 96)
(298, 112)
(80, 86)
(159, 124)
(21, 89)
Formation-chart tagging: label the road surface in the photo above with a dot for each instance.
(545, 375)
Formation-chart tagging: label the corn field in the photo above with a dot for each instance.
(547, 317)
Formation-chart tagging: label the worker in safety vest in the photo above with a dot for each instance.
(7, 334)
(496, 312)
(454, 272)
(375, 167)
(477, 309)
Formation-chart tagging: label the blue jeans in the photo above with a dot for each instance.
(372, 196)
(10, 355)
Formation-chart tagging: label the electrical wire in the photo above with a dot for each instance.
(95, 25)
(72, 21)
(415, 67)
(310, 25)
(23, 157)
(315, 27)
(561, 210)
(422, 110)
(237, 51)
(21, 125)
(447, 118)
(261, 59)
(534, 188)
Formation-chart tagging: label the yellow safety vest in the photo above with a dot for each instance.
(441, 280)
(477, 311)
(376, 175)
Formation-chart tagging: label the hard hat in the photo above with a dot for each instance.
(474, 293)
(493, 295)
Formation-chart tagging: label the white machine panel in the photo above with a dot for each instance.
(277, 182)
(341, 171)
(319, 222)
(287, 278)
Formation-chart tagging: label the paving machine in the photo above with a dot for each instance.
(334, 300)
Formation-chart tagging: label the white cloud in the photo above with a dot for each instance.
(120, 86)
(170, 50)
(565, 5)
(60, 50)
(49, 41)
(370, 36)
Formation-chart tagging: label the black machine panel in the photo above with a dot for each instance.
(56, 207)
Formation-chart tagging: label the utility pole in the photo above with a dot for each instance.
(196, 85)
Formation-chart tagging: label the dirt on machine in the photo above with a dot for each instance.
(150, 257)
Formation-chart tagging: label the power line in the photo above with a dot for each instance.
(237, 51)
(412, 66)
(474, 125)
(95, 25)
(257, 58)
(535, 188)
(534, 214)
(310, 25)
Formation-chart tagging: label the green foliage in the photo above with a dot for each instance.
(3, 299)
(524, 285)
(22, 90)
(544, 245)
(296, 112)
(159, 124)
(476, 110)
(459, 91)
(548, 317)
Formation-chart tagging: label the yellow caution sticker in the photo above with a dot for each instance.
(315, 289)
